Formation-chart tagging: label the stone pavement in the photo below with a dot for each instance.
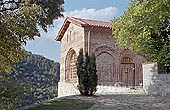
(126, 101)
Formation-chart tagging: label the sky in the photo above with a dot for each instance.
(102, 10)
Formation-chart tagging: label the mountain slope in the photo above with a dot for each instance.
(40, 75)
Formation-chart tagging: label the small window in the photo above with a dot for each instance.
(70, 35)
(126, 60)
(67, 37)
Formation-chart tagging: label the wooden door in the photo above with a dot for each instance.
(127, 74)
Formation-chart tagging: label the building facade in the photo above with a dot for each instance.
(115, 66)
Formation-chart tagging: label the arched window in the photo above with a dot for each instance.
(126, 60)
(71, 70)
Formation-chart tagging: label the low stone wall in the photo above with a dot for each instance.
(67, 89)
(155, 81)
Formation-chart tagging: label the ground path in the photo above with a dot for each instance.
(131, 100)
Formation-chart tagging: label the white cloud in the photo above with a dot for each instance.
(105, 14)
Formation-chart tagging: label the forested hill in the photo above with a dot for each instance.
(40, 64)
(40, 74)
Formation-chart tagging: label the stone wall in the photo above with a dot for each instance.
(103, 45)
(73, 40)
(154, 81)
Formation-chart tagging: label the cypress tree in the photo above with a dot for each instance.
(86, 71)
(92, 75)
(81, 72)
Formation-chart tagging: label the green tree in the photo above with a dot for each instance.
(137, 26)
(21, 22)
(81, 73)
(86, 71)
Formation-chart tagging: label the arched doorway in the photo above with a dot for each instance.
(104, 64)
(127, 71)
(71, 69)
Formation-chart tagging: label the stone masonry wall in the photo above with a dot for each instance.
(73, 39)
(154, 82)
(102, 44)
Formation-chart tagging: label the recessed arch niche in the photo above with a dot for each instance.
(70, 66)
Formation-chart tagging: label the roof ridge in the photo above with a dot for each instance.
(90, 20)
(77, 19)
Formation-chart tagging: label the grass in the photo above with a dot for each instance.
(64, 104)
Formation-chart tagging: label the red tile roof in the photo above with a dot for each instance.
(82, 22)
(87, 22)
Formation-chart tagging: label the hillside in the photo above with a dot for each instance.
(40, 75)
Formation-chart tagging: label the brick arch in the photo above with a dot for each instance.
(105, 64)
(104, 49)
(70, 66)
(137, 61)
(127, 53)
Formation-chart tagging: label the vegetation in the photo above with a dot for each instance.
(10, 92)
(64, 104)
(144, 25)
(86, 71)
(21, 20)
(35, 80)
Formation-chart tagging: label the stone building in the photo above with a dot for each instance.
(115, 66)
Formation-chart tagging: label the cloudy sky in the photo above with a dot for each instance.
(103, 10)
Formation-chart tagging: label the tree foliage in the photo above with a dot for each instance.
(142, 20)
(158, 47)
(22, 23)
(86, 71)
